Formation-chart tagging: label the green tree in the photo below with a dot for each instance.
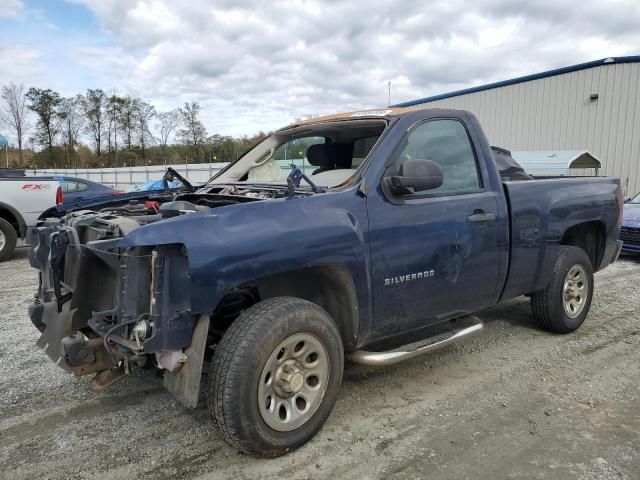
(93, 106)
(45, 103)
(193, 131)
(114, 107)
(222, 148)
(127, 119)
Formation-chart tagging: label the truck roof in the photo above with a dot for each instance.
(384, 112)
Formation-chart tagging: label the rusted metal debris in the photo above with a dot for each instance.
(106, 378)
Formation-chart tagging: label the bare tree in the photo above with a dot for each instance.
(70, 125)
(14, 111)
(166, 124)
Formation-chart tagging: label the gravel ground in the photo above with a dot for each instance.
(515, 402)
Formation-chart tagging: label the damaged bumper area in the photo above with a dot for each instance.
(103, 309)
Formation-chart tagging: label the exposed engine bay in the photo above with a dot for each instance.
(157, 206)
(119, 217)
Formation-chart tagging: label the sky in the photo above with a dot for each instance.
(256, 66)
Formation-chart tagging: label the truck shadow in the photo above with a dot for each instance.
(516, 312)
(629, 258)
(20, 253)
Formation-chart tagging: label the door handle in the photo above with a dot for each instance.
(481, 216)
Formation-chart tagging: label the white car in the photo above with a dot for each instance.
(22, 200)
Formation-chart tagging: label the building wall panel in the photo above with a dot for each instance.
(555, 113)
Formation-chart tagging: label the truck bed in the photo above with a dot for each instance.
(25, 198)
(541, 212)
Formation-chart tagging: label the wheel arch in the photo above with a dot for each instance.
(329, 286)
(590, 237)
(11, 215)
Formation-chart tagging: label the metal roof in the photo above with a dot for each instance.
(526, 78)
(554, 162)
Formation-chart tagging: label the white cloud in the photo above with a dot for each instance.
(108, 66)
(20, 64)
(256, 65)
(11, 8)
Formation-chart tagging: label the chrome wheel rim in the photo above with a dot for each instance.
(576, 291)
(293, 382)
(3, 240)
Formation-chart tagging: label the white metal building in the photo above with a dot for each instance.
(592, 106)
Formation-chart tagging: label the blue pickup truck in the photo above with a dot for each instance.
(267, 278)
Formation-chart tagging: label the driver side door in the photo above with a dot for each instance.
(435, 253)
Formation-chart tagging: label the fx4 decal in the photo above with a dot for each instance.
(36, 186)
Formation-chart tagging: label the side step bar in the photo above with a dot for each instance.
(464, 327)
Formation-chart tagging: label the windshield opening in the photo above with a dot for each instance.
(328, 153)
(635, 200)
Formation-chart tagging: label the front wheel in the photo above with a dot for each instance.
(564, 304)
(275, 376)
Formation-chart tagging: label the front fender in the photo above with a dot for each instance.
(233, 245)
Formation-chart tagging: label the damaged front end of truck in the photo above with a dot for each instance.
(102, 308)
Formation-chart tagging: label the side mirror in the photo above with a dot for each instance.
(418, 174)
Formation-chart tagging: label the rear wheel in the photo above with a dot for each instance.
(564, 304)
(8, 239)
(275, 376)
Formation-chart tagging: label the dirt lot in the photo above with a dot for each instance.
(515, 402)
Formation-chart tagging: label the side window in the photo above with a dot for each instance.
(68, 186)
(295, 151)
(81, 187)
(445, 142)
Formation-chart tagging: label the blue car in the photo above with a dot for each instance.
(153, 185)
(630, 229)
(75, 189)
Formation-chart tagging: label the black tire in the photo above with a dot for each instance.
(237, 370)
(10, 239)
(548, 305)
